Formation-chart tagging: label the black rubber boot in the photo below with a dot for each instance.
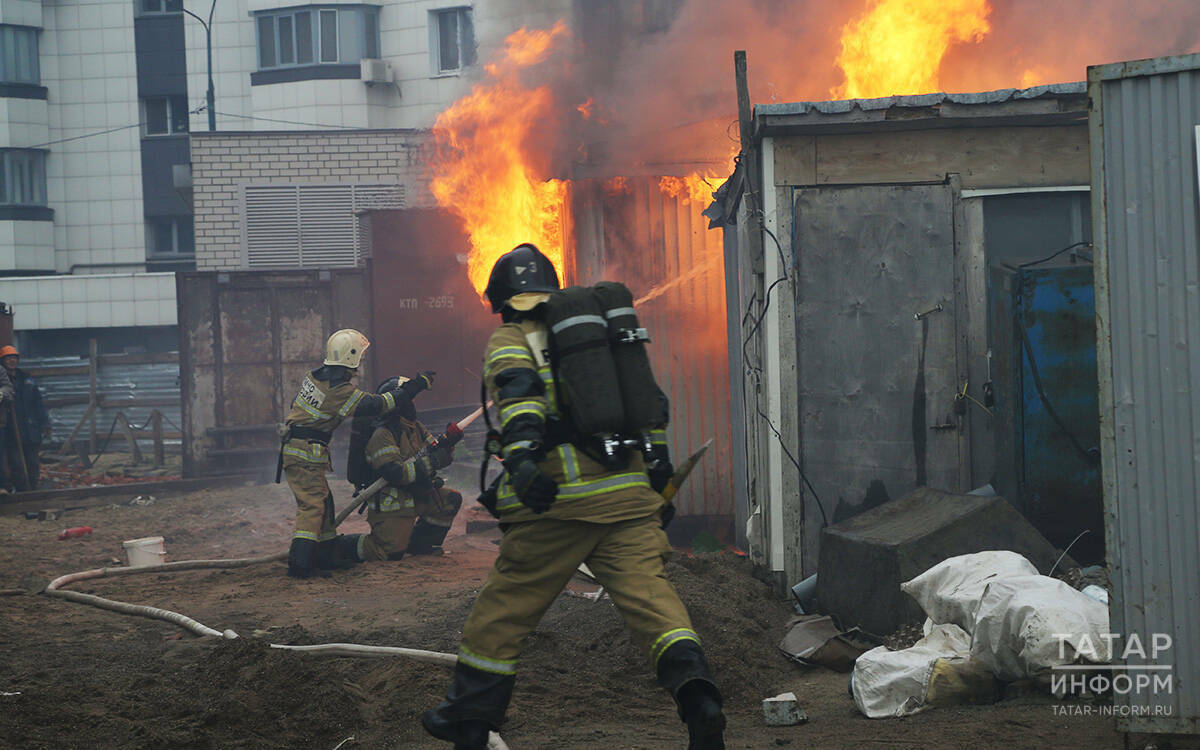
(300, 560)
(684, 672)
(347, 548)
(474, 705)
(330, 556)
(700, 706)
(427, 538)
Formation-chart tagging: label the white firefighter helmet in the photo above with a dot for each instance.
(345, 348)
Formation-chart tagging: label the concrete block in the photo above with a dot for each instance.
(783, 711)
(864, 559)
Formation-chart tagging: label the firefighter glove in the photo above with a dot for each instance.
(534, 489)
(440, 456)
(660, 473)
(453, 434)
(668, 514)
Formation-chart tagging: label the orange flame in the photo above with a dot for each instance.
(483, 170)
(897, 46)
(695, 188)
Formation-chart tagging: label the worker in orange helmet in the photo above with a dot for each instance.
(22, 438)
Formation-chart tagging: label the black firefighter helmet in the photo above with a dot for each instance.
(522, 269)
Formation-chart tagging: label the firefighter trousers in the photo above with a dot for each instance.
(314, 501)
(535, 561)
(392, 531)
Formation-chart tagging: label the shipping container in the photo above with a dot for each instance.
(246, 338)
(426, 315)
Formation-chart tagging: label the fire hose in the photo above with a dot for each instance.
(54, 588)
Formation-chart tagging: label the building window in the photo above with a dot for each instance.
(19, 55)
(170, 236)
(22, 177)
(313, 35)
(164, 115)
(310, 225)
(451, 39)
(159, 7)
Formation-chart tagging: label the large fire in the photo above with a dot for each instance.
(897, 46)
(537, 112)
(485, 172)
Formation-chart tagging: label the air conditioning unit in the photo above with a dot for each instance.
(376, 71)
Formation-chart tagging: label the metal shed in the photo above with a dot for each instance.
(1145, 133)
(860, 289)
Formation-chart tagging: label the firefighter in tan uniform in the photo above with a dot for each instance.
(326, 397)
(413, 513)
(560, 508)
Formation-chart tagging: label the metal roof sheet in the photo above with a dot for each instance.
(999, 96)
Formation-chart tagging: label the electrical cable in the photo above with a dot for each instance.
(1054, 255)
(1065, 551)
(288, 122)
(964, 395)
(85, 135)
(1088, 457)
(758, 370)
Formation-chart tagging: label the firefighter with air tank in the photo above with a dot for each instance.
(414, 512)
(326, 397)
(579, 418)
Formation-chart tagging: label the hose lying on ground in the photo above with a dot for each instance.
(495, 742)
(183, 621)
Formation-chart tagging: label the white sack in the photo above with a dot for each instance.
(890, 684)
(950, 591)
(1027, 624)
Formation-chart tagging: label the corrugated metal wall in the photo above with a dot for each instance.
(657, 243)
(152, 385)
(1144, 191)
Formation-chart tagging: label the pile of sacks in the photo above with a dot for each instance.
(992, 619)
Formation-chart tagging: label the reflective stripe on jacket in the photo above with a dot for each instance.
(384, 448)
(587, 491)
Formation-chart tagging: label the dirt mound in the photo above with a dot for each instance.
(144, 691)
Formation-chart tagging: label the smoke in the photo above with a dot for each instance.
(664, 98)
(1051, 41)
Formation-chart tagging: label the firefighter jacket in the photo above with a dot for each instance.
(392, 453)
(319, 408)
(522, 385)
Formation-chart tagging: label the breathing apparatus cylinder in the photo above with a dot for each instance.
(640, 395)
(585, 371)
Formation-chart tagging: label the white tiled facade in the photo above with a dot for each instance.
(110, 300)
(93, 184)
(87, 60)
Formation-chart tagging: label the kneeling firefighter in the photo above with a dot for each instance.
(576, 489)
(327, 396)
(414, 512)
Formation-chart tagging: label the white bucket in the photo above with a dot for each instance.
(145, 551)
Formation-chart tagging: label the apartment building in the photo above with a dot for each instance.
(93, 101)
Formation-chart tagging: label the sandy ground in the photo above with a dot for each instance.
(76, 676)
